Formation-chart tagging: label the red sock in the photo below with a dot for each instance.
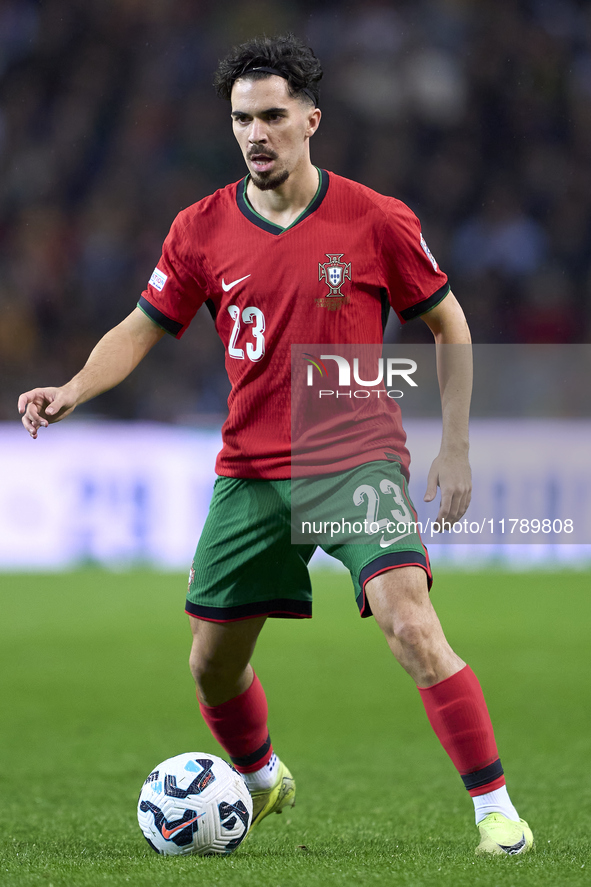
(240, 727)
(458, 714)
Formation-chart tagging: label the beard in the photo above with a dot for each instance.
(269, 181)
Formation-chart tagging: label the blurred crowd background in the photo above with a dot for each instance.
(477, 113)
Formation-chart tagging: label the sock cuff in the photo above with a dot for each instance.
(256, 760)
(489, 787)
(484, 777)
(243, 699)
(465, 676)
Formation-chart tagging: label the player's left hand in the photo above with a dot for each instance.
(451, 473)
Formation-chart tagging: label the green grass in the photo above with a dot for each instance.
(95, 691)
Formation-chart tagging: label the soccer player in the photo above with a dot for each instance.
(292, 255)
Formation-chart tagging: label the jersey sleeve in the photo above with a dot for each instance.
(178, 286)
(414, 281)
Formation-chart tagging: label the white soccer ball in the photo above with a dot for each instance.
(194, 803)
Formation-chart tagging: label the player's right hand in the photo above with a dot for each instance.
(43, 406)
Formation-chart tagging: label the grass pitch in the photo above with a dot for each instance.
(95, 692)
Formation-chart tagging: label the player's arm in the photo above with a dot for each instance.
(451, 469)
(111, 361)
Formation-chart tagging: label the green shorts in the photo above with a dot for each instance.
(247, 564)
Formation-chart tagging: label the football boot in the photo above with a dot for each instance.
(499, 835)
(273, 800)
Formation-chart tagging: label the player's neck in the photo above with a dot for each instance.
(284, 204)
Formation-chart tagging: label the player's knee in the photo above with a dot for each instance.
(195, 664)
(420, 647)
(412, 634)
(202, 665)
(211, 670)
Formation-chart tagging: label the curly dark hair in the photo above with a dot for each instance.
(285, 53)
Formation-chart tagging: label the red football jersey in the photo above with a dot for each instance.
(327, 279)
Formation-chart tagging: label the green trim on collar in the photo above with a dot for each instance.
(256, 218)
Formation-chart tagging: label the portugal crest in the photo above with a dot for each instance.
(334, 272)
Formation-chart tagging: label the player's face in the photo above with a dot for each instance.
(272, 128)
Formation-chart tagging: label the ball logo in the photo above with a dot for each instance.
(179, 831)
(198, 785)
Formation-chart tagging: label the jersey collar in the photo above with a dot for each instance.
(253, 216)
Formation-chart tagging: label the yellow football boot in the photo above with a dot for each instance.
(500, 835)
(273, 800)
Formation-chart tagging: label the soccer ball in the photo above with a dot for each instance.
(194, 803)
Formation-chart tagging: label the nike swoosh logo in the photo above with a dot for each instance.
(513, 849)
(228, 286)
(168, 833)
(385, 543)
